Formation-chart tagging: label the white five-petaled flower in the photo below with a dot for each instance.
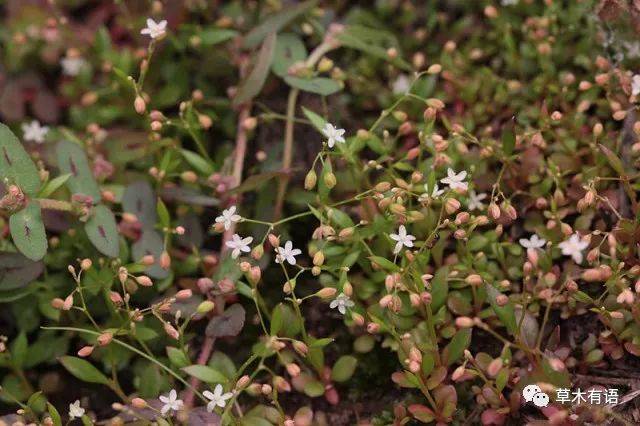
(635, 85)
(170, 402)
(155, 29)
(455, 180)
(333, 134)
(573, 247)
(75, 410)
(228, 217)
(287, 253)
(216, 398)
(342, 302)
(534, 242)
(34, 131)
(402, 239)
(239, 244)
(72, 65)
(475, 200)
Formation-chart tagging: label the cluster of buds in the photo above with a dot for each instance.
(13, 200)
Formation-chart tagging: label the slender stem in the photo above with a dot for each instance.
(132, 349)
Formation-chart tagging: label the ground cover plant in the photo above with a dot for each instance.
(319, 212)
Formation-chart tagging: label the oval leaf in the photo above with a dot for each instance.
(344, 368)
(28, 232)
(83, 370)
(73, 160)
(254, 82)
(15, 163)
(205, 373)
(321, 85)
(289, 50)
(102, 231)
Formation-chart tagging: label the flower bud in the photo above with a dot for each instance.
(85, 351)
(452, 205)
(171, 331)
(330, 180)
(310, 180)
(105, 338)
(144, 281)
(139, 403)
(140, 105)
(184, 294)
(205, 306)
(326, 293)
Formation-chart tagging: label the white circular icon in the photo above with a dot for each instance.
(541, 399)
(530, 391)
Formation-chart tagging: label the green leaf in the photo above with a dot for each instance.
(15, 163)
(102, 231)
(252, 85)
(372, 41)
(344, 368)
(83, 370)
(72, 160)
(17, 271)
(53, 185)
(19, 347)
(317, 121)
(320, 85)
(139, 198)
(508, 139)
(150, 242)
(198, 162)
(277, 320)
(439, 289)
(321, 343)
(505, 313)
(384, 263)
(275, 22)
(457, 345)
(27, 231)
(205, 373)
(177, 357)
(163, 214)
(53, 413)
(614, 161)
(289, 50)
(313, 388)
(211, 36)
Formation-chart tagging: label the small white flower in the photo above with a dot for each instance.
(287, 253)
(402, 238)
(72, 66)
(455, 180)
(401, 85)
(633, 49)
(342, 302)
(228, 217)
(239, 244)
(635, 85)
(75, 410)
(509, 2)
(573, 247)
(171, 402)
(217, 398)
(333, 134)
(475, 200)
(534, 242)
(436, 192)
(155, 30)
(34, 132)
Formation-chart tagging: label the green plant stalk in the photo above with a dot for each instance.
(135, 350)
